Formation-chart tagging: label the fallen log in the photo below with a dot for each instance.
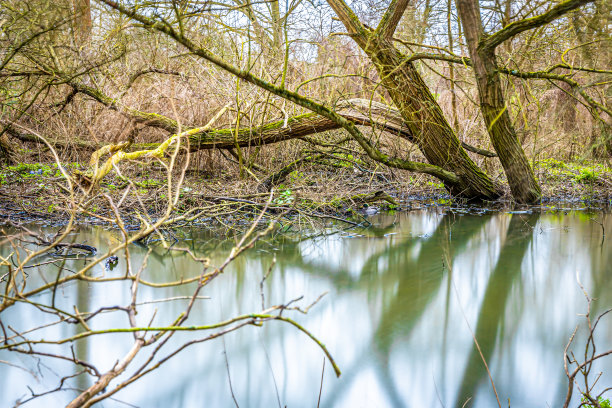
(361, 111)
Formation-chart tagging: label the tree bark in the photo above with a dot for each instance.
(6, 150)
(521, 179)
(565, 106)
(82, 21)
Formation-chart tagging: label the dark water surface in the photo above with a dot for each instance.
(404, 298)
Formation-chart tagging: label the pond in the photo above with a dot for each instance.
(404, 300)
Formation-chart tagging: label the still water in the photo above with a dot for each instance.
(405, 299)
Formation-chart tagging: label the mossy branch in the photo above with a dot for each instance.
(518, 27)
(96, 173)
(147, 118)
(391, 18)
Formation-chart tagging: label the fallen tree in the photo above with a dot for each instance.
(359, 111)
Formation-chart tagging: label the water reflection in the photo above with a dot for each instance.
(489, 324)
(405, 300)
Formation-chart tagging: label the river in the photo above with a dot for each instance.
(404, 301)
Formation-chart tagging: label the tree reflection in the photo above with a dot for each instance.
(393, 307)
(489, 327)
(418, 279)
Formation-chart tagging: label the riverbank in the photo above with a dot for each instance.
(40, 192)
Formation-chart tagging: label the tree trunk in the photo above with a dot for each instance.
(6, 150)
(565, 106)
(521, 179)
(426, 122)
(277, 26)
(422, 114)
(82, 21)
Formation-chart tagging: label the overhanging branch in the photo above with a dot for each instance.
(518, 27)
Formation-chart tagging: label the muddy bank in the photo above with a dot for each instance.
(32, 192)
(35, 203)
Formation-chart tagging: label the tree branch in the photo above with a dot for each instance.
(389, 21)
(149, 119)
(518, 27)
(347, 16)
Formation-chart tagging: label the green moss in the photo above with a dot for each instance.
(586, 175)
(148, 183)
(552, 163)
(436, 185)
(27, 171)
(285, 197)
(295, 176)
(31, 170)
(143, 146)
(347, 160)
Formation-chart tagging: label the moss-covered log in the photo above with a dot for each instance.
(360, 111)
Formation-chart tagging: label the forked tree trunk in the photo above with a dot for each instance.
(524, 187)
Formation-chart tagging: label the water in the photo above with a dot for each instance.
(404, 301)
